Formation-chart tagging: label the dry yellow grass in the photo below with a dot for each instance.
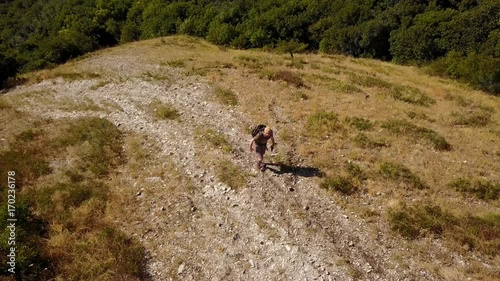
(347, 87)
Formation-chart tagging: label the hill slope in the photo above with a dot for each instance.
(387, 144)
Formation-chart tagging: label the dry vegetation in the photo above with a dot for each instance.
(424, 151)
(402, 129)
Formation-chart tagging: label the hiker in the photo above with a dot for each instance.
(260, 137)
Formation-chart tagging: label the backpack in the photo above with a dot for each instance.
(258, 129)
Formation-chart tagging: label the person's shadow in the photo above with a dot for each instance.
(280, 168)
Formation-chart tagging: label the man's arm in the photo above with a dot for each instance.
(272, 143)
(251, 145)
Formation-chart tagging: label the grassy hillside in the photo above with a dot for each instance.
(413, 157)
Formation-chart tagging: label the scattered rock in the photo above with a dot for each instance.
(180, 269)
(139, 193)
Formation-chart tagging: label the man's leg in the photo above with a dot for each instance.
(260, 159)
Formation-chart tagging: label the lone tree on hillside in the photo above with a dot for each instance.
(291, 47)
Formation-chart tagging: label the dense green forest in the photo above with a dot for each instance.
(457, 38)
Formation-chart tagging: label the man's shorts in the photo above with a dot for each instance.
(261, 148)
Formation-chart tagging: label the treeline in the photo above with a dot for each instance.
(458, 38)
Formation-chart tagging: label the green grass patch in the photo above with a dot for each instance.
(27, 135)
(355, 171)
(290, 78)
(399, 173)
(197, 71)
(363, 141)
(296, 63)
(97, 141)
(163, 111)
(4, 104)
(484, 190)
(73, 76)
(411, 95)
(405, 128)
(231, 174)
(252, 62)
(470, 233)
(225, 96)
(419, 220)
(322, 124)
(344, 87)
(176, 63)
(99, 85)
(217, 140)
(369, 81)
(27, 157)
(472, 118)
(339, 184)
(62, 223)
(154, 76)
(360, 124)
(299, 95)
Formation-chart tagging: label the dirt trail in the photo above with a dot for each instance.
(279, 227)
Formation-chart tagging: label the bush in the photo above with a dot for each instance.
(226, 96)
(360, 123)
(99, 144)
(403, 127)
(411, 95)
(322, 124)
(479, 70)
(363, 141)
(231, 174)
(163, 111)
(216, 139)
(368, 81)
(485, 190)
(481, 233)
(472, 118)
(418, 220)
(399, 173)
(290, 78)
(339, 184)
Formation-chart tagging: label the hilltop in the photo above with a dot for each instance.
(382, 171)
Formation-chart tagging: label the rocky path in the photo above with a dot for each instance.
(278, 227)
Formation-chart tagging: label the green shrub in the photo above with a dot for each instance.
(176, 63)
(290, 78)
(216, 139)
(405, 128)
(420, 219)
(163, 111)
(355, 171)
(339, 184)
(363, 141)
(322, 124)
(231, 174)
(411, 95)
(472, 118)
(399, 173)
(252, 62)
(479, 70)
(99, 143)
(478, 233)
(27, 135)
(472, 233)
(361, 124)
(369, 81)
(226, 96)
(345, 87)
(485, 190)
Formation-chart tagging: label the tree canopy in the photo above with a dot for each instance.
(40, 33)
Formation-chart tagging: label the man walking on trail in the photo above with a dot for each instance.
(260, 141)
